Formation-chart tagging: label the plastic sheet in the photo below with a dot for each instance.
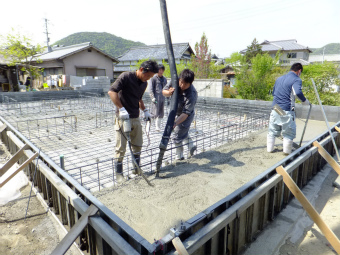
(11, 190)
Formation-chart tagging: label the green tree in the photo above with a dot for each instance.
(214, 71)
(179, 68)
(324, 75)
(252, 50)
(255, 80)
(19, 50)
(235, 59)
(201, 63)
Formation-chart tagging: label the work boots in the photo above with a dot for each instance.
(270, 143)
(119, 172)
(287, 146)
(135, 170)
(179, 151)
(191, 146)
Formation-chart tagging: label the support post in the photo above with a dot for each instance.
(329, 234)
(75, 231)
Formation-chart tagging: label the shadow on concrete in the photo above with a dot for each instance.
(215, 158)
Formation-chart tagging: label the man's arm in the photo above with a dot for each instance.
(168, 92)
(141, 105)
(180, 119)
(115, 98)
(297, 88)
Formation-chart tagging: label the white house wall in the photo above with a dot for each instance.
(299, 55)
(205, 87)
(209, 87)
(92, 59)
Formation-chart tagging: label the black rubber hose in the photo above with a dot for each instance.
(174, 81)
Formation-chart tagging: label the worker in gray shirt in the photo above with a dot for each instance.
(156, 86)
(187, 98)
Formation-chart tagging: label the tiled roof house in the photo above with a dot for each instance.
(182, 52)
(292, 52)
(78, 60)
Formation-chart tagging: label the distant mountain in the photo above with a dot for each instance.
(109, 43)
(331, 48)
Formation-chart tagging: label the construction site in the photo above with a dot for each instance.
(217, 202)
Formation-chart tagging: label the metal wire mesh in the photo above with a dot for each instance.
(82, 130)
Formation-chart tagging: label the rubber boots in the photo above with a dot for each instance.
(270, 143)
(179, 151)
(287, 146)
(135, 170)
(191, 146)
(158, 124)
(119, 172)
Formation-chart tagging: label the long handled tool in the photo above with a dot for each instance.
(174, 81)
(325, 118)
(126, 133)
(139, 170)
(304, 128)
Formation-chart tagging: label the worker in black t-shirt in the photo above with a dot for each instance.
(126, 93)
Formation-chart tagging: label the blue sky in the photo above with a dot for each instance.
(229, 25)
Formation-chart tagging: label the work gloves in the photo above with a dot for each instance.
(306, 102)
(154, 100)
(123, 114)
(147, 115)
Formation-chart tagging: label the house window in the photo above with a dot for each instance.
(53, 71)
(89, 50)
(101, 72)
(291, 55)
(90, 72)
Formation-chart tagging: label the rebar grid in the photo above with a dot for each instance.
(82, 130)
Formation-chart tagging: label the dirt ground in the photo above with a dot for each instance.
(188, 188)
(37, 234)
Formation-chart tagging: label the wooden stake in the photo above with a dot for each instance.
(74, 232)
(179, 246)
(337, 129)
(330, 236)
(330, 160)
(19, 169)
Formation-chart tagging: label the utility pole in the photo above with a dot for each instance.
(47, 38)
(323, 54)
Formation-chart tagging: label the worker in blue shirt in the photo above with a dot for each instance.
(286, 89)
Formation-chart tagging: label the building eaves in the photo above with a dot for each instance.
(63, 52)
